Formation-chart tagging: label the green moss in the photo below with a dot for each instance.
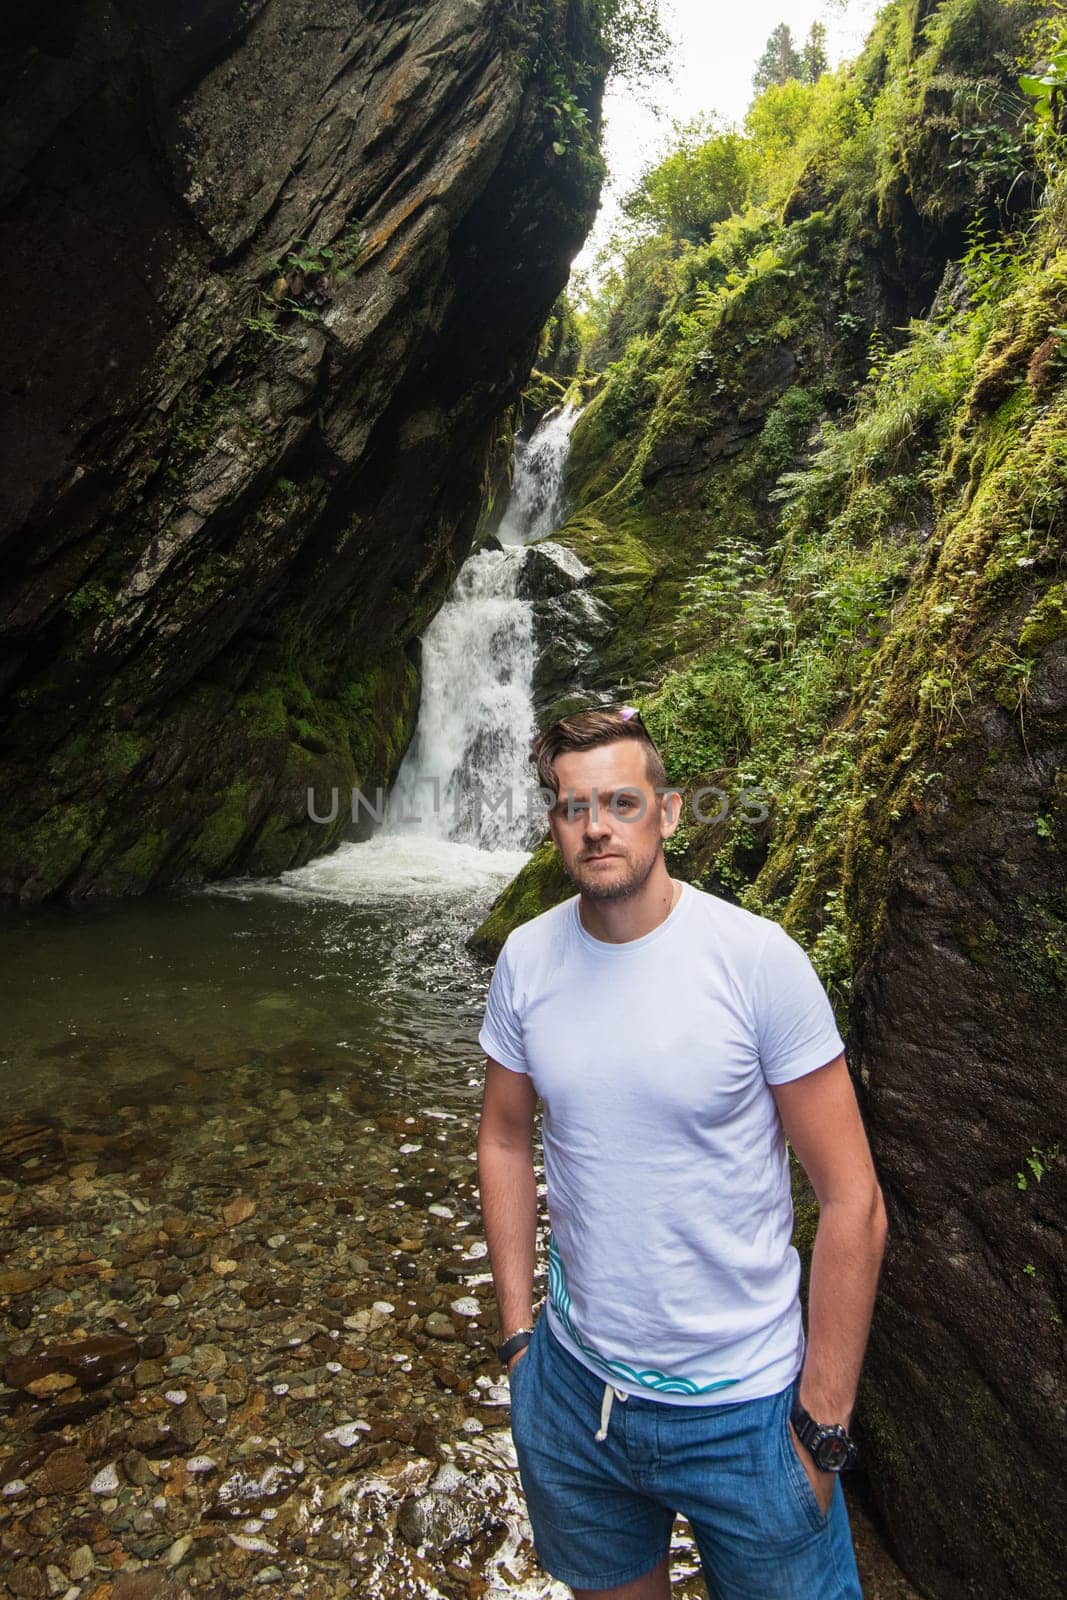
(541, 884)
(601, 446)
(264, 711)
(122, 753)
(1001, 431)
(1035, 948)
(91, 597)
(309, 734)
(302, 766)
(1045, 622)
(978, 938)
(136, 867)
(623, 564)
(380, 707)
(1023, 321)
(345, 731)
(944, 128)
(52, 850)
(279, 844)
(222, 831)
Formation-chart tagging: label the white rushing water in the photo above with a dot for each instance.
(466, 777)
(467, 766)
(465, 811)
(535, 508)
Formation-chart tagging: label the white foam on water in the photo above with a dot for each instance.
(386, 868)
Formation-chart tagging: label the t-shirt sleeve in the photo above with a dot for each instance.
(501, 1033)
(795, 1022)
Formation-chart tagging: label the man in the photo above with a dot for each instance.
(674, 1041)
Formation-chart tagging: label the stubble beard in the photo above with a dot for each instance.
(632, 878)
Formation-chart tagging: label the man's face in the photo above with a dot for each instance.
(609, 850)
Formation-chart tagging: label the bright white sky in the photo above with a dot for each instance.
(717, 45)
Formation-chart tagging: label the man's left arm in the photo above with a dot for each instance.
(822, 1122)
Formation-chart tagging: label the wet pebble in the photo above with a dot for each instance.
(88, 1361)
(440, 1326)
(106, 1481)
(437, 1520)
(80, 1563)
(348, 1434)
(309, 1353)
(65, 1472)
(178, 1551)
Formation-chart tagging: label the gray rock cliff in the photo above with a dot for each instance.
(275, 273)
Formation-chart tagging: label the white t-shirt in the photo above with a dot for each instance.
(671, 1270)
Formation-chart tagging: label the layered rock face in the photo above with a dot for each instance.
(955, 884)
(958, 1033)
(276, 272)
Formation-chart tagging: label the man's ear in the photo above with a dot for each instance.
(670, 812)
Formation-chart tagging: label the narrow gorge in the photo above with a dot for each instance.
(321, 479)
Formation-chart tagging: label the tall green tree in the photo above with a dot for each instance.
(780, 60)
(814, 55)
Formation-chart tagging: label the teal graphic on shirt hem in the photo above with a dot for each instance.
(648, 1377)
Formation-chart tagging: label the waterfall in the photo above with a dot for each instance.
(468, 762)
(468, 755)
(535, 508)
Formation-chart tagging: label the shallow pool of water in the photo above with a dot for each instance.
(353, 967)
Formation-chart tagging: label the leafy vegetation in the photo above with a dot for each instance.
(821, 652)
(632, 38)
(700, 183)
(638, 45)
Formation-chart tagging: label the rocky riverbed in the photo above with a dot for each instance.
(267, 1333)
(248, 1345)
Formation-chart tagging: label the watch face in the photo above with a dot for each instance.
(831, 1453)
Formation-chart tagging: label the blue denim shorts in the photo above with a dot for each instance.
(602, 1510)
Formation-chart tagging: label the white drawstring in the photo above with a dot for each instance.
(605, 1409)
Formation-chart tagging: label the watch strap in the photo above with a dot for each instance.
(513, 1344)
(810, 1433)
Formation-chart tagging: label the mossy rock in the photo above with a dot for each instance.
(223, 829)
(601, 448)
(541, 884)
(53, 849)
(128, 872)
(1047, 622)
(623, 565)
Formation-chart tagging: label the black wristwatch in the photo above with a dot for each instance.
(828, 1443)
(511, 1346)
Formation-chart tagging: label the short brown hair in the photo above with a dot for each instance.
(587, 729)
